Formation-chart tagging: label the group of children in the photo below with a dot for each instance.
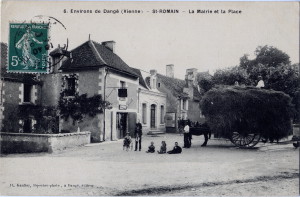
(163, 149)
(127, 143)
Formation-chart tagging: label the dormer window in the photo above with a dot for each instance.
(154, 84)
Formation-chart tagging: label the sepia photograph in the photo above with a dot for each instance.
(154, 98)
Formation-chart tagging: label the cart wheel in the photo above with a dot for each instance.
(245, 140)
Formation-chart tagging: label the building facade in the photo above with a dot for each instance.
(92, 69)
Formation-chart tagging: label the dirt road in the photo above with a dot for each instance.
(105, 169)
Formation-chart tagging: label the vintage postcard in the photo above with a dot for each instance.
(149, 98)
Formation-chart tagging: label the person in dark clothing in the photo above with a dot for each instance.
(151, 148)
(138, 135)
(176, 150)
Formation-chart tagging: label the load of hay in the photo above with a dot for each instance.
(248, 110)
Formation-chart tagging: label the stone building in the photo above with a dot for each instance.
(152, 103)
(92, 69)
(183, 97)
(19, 92)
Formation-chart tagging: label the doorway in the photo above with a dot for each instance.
(153, 116)
(121, 125)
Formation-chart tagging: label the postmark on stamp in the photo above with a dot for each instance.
(30, 44)
(28, 47)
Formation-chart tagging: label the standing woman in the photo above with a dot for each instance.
(138, 135)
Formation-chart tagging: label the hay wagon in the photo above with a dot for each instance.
(244, 115)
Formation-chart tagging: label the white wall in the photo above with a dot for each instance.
(149, 97)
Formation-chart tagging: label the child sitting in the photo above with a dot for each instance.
(163, 148)
(151, 148)
(127, 142)
(176, 150)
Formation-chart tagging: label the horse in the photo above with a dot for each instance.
(202, 129)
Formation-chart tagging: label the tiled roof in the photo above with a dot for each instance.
(176, 86)
(92, 55)
(16, 77)
(141, 79)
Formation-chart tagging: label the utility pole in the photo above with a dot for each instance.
(104, 99)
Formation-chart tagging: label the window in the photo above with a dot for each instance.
(184, 104)
(201, 115)
(27, 126)
(158, 85)
(162, 114)
(153, 116)
(144, 113)
(27, 93)
(154, 83)
(1, 94)
(71, 87)
(122, 92)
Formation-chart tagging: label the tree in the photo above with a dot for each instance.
(204, 81)
(265, 57)
(271, 56)
(231, 75)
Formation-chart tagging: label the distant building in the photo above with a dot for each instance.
(183, 97)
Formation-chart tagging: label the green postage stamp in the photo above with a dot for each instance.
(28, 47)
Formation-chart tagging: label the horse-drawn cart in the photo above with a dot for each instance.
(242, 140)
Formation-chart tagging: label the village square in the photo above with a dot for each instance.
(88, 139)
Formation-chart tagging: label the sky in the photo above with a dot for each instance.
(206, 41)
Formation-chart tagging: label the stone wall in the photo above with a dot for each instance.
(31, 143)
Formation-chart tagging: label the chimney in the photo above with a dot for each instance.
(191, 76)
(170, 70)
(110, 45)
(153, 79)
(153, 72)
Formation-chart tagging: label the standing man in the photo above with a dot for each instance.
(260, 83)
(187, 139)
(138, 135)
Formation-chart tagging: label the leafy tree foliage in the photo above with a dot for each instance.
(205, 81)
(231, 75)
(266, 55)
